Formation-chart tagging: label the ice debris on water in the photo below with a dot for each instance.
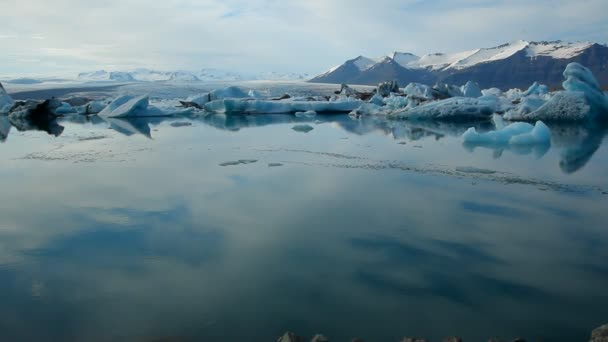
(239, 162)
(302, 128)
(581, 100)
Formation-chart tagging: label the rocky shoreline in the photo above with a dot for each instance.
(598, 335)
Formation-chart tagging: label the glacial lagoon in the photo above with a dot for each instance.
(242, 227)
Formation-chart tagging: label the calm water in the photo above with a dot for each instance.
(241, 228)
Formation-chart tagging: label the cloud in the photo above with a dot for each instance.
(271, 35)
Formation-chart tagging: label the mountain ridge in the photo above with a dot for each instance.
(511, 65)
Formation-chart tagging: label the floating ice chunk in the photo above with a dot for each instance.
(377, 100)
(582, 100)
(419, 90)
(254, 94)
(526, 106)
(540, 134)
(245, 106)
(239, 162)
(518, 133)
(302, 128)
(93, 107)
(138, 106)
(492, 91)
(471, 89)
(346, 90)
(199, 99)
(579, 78)
(368, 109)
(228, 93)
(455, 109)
(536, 89)
(64, 109)
(396, 102)
(126, 106)
(563, 106)
(6, 102)
(224, 93)
(386, 88)
(445, 91)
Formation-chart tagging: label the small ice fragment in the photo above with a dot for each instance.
(470, 169)
(302, 128)
(181, 124)
(239, 162)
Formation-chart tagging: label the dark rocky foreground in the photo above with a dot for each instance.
(598, 335)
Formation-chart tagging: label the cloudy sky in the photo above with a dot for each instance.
(64, 36)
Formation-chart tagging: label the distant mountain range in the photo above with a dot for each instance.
(147, 75)
(513, 65)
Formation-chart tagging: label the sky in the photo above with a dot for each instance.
(41, 37)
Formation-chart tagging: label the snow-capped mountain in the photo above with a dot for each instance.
(515, 64)
(148, 75)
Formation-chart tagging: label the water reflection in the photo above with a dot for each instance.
(22, 124)
(167, 243)
(577, 143)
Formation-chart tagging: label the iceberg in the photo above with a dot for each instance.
(492, 91)
(471, 89)
(249, 106)
(452, 109)
(126, 106)
(137, 106)
(518, 133)
(386, 88)
(302, 128)
(6, 102)
(65, 108)
(582, 100)
(536, 89)
(580, 79)
(221, 94)
(420, 90)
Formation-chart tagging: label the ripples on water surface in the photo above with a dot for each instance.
(240, 228)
